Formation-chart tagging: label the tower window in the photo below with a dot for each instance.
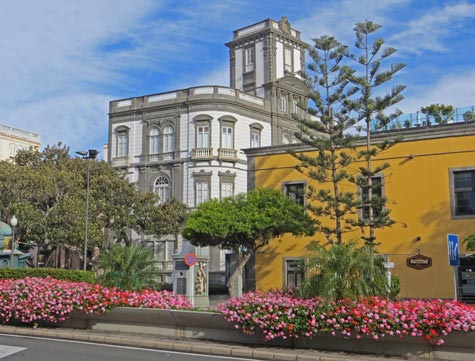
(283, 103)
(288, 59)
(249, 59)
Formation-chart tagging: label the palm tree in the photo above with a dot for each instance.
(128, 268)
(344, 271)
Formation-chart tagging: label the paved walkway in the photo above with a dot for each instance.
(188, 345)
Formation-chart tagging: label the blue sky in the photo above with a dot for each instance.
(63, 61)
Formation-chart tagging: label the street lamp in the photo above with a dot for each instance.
(13, 223)
(91, 154)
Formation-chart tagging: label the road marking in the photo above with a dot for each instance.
(125, 347)
(9, 350)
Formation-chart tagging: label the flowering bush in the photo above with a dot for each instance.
(36, 300)
(278, 314)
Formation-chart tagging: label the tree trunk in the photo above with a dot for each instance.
(242, 261)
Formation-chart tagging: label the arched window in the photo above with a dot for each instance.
(168, 139)
(154, 141)
(162, 189)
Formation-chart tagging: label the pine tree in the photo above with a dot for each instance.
(325, 131)
(372, 110)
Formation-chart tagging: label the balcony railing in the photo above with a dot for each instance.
(164, 266)
(202, 153)
(120, 162)
(159, 157)
(227, 154)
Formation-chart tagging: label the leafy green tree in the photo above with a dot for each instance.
(128, 268)
(344, 271)
(168, 218)
(47, 192)
(441, 113)
(329, 93)
(372, 109)
(469, 116)
(245, 223)
(469, 242)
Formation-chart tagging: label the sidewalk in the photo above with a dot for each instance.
(188, 345)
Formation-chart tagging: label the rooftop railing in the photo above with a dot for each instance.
(212, 92)
(419, 119)
(19, 133)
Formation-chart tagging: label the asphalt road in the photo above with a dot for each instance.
(43, 349)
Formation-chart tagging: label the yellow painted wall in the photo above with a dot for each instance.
(418, 195)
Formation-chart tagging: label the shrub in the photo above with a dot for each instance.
(56, 273)
(128, 268)
(281, 315)
(47, 300)
(344, 271)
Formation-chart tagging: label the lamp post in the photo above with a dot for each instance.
(91, 154)
(13, 223)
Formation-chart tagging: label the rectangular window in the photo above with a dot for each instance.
(249, 59)
(295, 108)
(464, 192)
(202, 192)
(202, 137)
(293, 273)
(295, 191)
(288, 59)
(227, 190)
(122, 144)
(255, 139)
(376, 192)
(283, 104)
(227, 140)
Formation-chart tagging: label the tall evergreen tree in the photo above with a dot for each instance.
(325, 131)
(372, 110)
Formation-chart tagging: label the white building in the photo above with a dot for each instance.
(12, 140)
(187, 143)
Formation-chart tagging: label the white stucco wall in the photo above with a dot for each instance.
(238, 68)
(279, 59)
(260, 65)
(242, 136)
(297, 68)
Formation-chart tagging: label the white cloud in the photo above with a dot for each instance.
(77, 120)
(457, 89)
(338, 18)
(437, 24)
(53, 70)
(219, 76)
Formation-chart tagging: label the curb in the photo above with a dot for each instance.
(186, 345)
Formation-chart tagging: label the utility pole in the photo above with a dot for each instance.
(91, 154)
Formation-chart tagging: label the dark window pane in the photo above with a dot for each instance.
(377, 192)
(464, 193)
(296, 192)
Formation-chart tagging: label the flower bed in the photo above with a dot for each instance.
(47, 300)
(280, 315)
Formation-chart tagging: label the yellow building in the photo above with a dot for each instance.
(430, 188)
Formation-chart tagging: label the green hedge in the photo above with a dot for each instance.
(57, 273)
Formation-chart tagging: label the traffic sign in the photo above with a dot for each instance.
(453, 248)
(190, 259)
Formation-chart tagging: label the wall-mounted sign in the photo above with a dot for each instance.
(453, 248)
(419, 261)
